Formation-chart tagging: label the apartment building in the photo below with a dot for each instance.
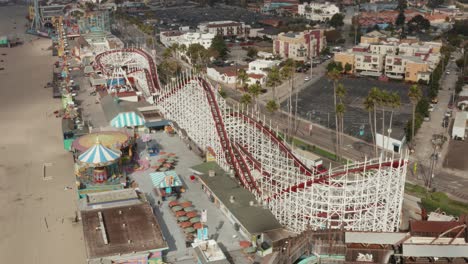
(317, 11)
(300, 46)
(408, 60)
(225, 28)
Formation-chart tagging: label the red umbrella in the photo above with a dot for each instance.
(192, 214)
(161, 160)
(180, 213)
(197, 225)
(167, 165)
(185, 224)
(244, 244)
(173, 203)
(186, 204)
(171, 154)
(162, 152)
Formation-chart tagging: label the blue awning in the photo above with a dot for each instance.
(99, 155)
(165, 179)
(160, 123)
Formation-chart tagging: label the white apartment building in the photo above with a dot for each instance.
(368, 63)
(385, 49)
(317, 11)
(225, 28)
(186, 38)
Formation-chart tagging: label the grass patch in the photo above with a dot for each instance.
(311, 148)
(435, 200)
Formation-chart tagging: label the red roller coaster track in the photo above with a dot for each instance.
(237, 154)
(151, 74)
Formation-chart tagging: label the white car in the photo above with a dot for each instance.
(307, 79)
(447, 72)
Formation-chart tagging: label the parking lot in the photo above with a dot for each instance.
(315, 103)
(193, 16)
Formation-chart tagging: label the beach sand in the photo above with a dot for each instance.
(36, 215)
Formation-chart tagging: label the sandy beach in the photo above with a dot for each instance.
(36, 217)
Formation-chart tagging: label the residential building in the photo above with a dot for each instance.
(225, 28)
(300, 46)
(317, 11)
(168, 38)
(262, 66)
(228, 75)
(406, 59)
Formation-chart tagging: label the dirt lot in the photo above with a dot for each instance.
(456, 157)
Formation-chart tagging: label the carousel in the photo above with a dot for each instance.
(99, 165)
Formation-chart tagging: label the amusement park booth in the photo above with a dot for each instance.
(166, 183)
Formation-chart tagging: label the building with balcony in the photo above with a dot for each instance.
(299, 46)
(317, 11)
(225, 28)
(368, 63)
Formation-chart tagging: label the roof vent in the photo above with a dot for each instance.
(124, 225)
(231, 199)
(251, 203)
(129, 241)
(120, 212)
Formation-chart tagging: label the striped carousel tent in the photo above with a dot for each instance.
(99, 155)
(127, 119)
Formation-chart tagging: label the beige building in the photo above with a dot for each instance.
(225, 28)
(345, 58)
(299, 46)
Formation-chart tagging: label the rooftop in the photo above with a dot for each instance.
(127, 229)
(255, 219)
(209, 252)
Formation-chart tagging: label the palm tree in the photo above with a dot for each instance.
(369, 106)
(341, 92)
(394, 103)
(415, 95)
(334, 75)
(246, 99)
(372, 102)
(255, 90)
(273, 79)
(242, 77)
(272, 106)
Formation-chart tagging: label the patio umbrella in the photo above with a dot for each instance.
(182, 218)
(170, 161)
(173, 203)
(180, 213)
(198, 225)
(186, 204)
(192, 214)
(167, 165)
(161, 160)
(171, 154)
(99, 155)
(185, 224)
(195, 219)
(127, 119)
(189, 229)
(189, 209)
(176, 208)
(171, 198)
(163, 169)
(162, 153)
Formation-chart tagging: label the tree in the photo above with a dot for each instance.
(334, 75)
(415, 95)
(252, 52)
(198, 55)
(340, 110)
(348, 68)
(402, 5)
(273, 79)
(418, 23)
(246, 99)
(272, 106)
(219, 45)
(337, 20)
(394, 102)
(308, 9)
(242, 78)
(255, 90)
(369, 105)
(400, 20)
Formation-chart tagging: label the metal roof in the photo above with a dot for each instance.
(440, 251)
(387, 238)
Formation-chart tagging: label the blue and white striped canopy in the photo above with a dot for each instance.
(99, 155)
(127, 119)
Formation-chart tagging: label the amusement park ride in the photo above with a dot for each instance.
(362, 196)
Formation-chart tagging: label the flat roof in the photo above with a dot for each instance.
(386, 238)
(255, 219)
(440, 251)
(112, 196)
(128, 229)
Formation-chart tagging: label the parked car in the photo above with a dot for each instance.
(430, 108)
(435, 100)
(447, 72)
(307, 79)
(427, 118)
